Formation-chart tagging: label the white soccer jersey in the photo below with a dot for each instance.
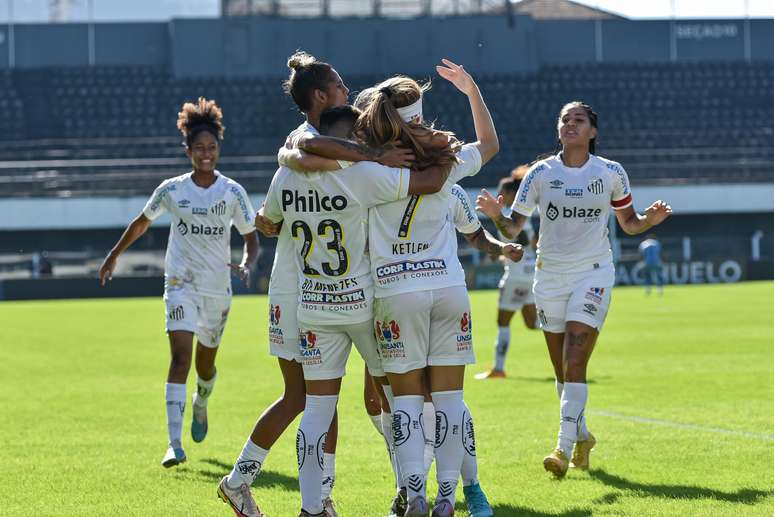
(412, 242)
(574, 205)
(198, 251)
(462, 213)
(326, 214)
(284, 273)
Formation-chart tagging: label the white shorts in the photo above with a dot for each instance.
(583, 297)
(203, 315)
(515, 292)
(424, 328)
(283, 327)
(324, 349)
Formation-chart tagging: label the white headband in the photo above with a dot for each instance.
(411, 112)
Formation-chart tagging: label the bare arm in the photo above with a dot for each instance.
(428, 181)
(298, 160)
(249, 258)
(492, 207)
(133, 232)
(488, 143)
(633, 223)
(485, 242)
(341, 149)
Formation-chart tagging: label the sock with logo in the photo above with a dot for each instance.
(410, 442)
(329, 474)
(469, 472)
(310, 440)
(248, 465)
(175, 397)
(428, 425)
(388, 439)
(583, 431)
(203, 390)
(449, 450)
(501, 347)
(572, 406)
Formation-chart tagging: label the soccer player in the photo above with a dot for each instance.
(327, 214)
(650, 249)
(516, 282)
(574, 190)
(203, 205)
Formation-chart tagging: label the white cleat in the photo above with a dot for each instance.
(174, 456)
(239, 499)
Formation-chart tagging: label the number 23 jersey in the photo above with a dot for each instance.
(326, 214)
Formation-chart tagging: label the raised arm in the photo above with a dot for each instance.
(633, 223)
(347, 150)
(133, 232)
(488, 144)
(485, 242)
(299, 160)
(493, 208)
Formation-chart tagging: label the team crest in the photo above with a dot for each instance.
(219, 208)
(596, 186)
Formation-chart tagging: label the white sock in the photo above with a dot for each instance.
(248, 465)
(501, 347)
(310, 440)
(377, 421)
(175, 397)
(469, 472)
(449, 411)
(203, 390)
(428, 426)
(329, 474)
(387, 433)
(583, 431)
(409, 442)
(573, 403)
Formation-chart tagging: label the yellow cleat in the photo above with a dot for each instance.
(581, 453)
(556, 463)
(491, 374)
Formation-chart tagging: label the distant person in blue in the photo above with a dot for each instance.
(650, 249)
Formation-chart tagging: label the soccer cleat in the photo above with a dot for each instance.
(304, 513)
(239, 499)
(581, 453)
(199, 423)
(475, 499)
(443, 508)
(174, 456)
(417, 507)
(398, 508)
(556, 463)
(329, 507)
(491, 374)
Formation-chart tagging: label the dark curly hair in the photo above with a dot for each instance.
(205, 115)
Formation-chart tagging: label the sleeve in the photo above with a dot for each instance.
(529, 230)
(376, 184)
(621, 195)
(528, 197)
(243, 213)
(470, 163)
(158, 202)
(465, 219)
(271, 207)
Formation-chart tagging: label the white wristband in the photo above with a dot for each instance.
(506, 212)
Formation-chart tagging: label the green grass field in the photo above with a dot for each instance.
(681, 401)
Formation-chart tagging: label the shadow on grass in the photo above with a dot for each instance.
(744, 495)
(266, 479)
(507, 510)
(551, 380)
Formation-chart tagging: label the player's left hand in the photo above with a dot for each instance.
(513, 252)
(242, 271)
(458, 76)
(657, 212)
(266, 226)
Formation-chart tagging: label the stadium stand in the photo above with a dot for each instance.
(110, 130)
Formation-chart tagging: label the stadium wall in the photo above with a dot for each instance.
(258, 46)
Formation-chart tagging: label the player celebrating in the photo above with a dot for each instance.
(326, 214)
(197, 285)
(516, 283)
(574, 191)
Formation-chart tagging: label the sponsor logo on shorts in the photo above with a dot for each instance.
(310, 354)
(595, 294)
(542, 318)
(573, 192)
(177, 313)
(388, 337)
(441, 428)
(556, 184)
(596, 186)
(590, 309)
(198, 211)
(465, 338)
(468, 434)
(465, 323)
(274, 314)
(219, 208)
(412, 269)
(276, 335)
(401, 430)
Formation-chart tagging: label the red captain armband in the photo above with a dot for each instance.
(622, 203)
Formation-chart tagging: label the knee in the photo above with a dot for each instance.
(293, 403)
(180, 362)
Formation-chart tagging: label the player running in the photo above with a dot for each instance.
(574, 192)
(203, 205)
(516, 282)
(327, 215)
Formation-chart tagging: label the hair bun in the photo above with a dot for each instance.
(300, 60)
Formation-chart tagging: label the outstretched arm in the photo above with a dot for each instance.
(493, 207)
(298, 160)
(133, 232)
(428, 181)
(484, 241)
(341, 149)
(633, 223)
(488, 144)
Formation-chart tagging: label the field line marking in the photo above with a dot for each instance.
(680, 425)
